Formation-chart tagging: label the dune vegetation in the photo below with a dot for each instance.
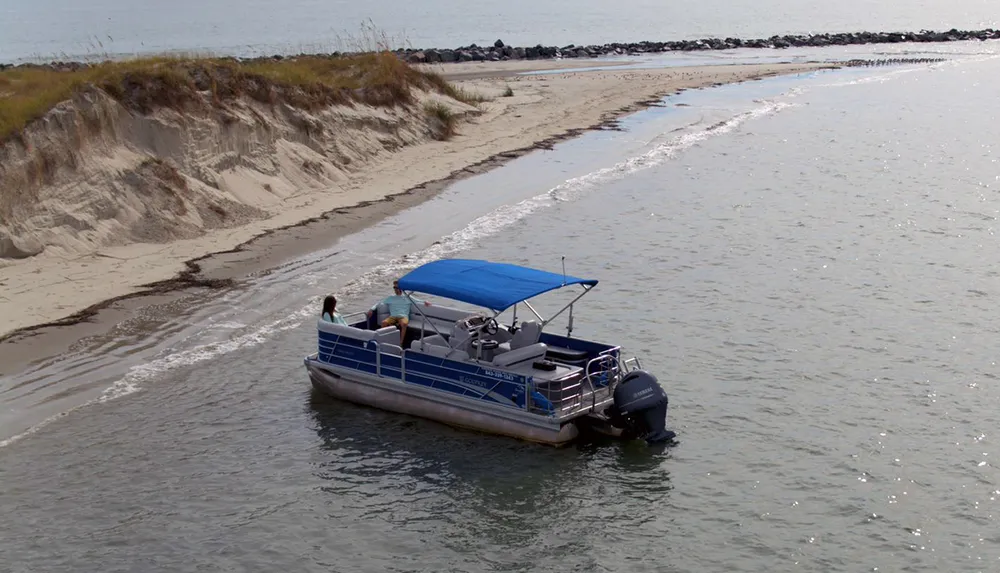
(307, 82)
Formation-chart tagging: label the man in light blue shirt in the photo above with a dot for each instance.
(399, 310)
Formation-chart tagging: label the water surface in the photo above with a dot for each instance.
(69, 29)
(807, 263)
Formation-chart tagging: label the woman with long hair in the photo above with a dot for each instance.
(330, 313)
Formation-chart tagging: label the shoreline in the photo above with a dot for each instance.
(499, 51)
(56, 315)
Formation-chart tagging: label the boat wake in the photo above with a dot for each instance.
(570, 190)
(460, 240)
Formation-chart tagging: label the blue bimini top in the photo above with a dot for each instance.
(496, 286)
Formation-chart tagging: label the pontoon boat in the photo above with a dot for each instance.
(464, 369)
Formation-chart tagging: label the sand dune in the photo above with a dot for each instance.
(125, 199)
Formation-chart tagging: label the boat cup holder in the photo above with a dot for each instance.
(484, 349)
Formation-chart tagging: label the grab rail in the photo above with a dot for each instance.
(612, 369)
(633, 360)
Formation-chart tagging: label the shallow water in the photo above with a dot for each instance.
(68, 29)
(807, 263)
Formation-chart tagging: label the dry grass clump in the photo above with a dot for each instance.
(441, 85)
(445, 120)
(307, 82)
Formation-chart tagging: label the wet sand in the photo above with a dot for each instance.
(49, 305)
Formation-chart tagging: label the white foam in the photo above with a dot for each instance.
(36, 427)
(570, 190)
(463, 239)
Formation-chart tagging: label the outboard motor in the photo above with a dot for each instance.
(640, 408)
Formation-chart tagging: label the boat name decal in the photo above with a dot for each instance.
(343, 350)
(475, 381)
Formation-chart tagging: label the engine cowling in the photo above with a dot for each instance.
(640, 408)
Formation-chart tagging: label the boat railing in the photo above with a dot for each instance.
(631, 364)
(463, 379)
(568, 396)
(581, 392)
(565, 395)
(607, 371)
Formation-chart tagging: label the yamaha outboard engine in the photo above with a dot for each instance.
(640, 408)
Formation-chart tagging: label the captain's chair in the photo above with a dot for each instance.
(526, 335)
(459, 338)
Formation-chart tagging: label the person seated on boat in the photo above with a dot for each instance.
(399, 310)
(330, 313)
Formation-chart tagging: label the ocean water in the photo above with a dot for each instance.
(67, 29)
(807, 263)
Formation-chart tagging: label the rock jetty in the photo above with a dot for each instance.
(890, 62)
(500, 51)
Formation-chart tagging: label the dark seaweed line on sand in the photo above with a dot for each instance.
(190, 277)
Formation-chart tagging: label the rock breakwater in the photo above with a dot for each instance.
(890, 62)
(500, 51)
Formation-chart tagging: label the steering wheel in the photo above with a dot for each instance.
(491, 327)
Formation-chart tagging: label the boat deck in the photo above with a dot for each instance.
(556, 375)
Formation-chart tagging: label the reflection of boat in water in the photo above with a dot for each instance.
(401, 478)
(465, 369)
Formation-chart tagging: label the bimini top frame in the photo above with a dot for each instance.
(496, 286)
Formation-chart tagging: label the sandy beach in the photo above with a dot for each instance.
(53, 288)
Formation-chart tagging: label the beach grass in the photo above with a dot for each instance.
(445, 118)
(377, 78)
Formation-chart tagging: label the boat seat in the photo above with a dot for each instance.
(348, 331)
(461, 338)
(567, 355)
(432, 340)
(510, 358)
(526, 335)
(445, 352)
(386, 335)
(382, 313)
(392, 349)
